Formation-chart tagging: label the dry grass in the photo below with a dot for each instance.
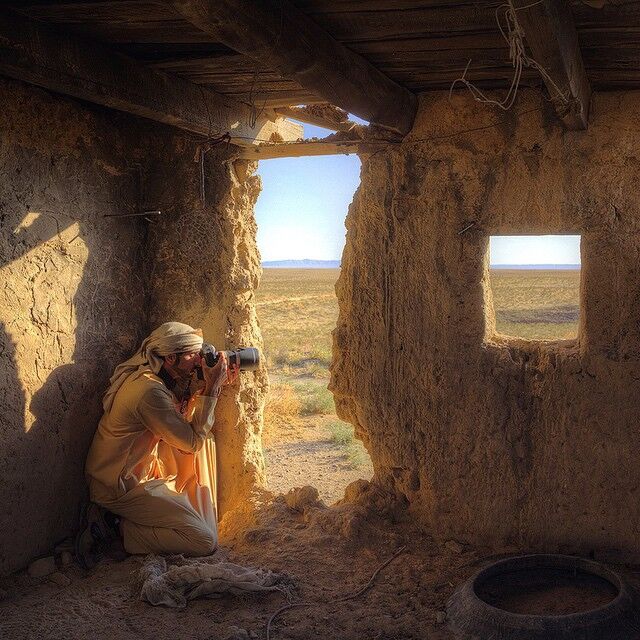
(281, 413)
(315, 398)
(539, 305)
(298, 311)
(342, 434)
(290, 401)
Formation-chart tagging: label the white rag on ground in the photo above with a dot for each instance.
(184, 579)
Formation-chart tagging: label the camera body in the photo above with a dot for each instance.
(244, 358)
(209, 353)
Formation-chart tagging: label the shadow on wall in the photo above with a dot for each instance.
(12, 406)
(75, 294)
(72, 311)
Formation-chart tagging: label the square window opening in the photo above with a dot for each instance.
(534, 287)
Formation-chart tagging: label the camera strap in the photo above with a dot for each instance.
(181, 393)
(186, 396)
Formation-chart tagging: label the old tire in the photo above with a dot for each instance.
(471, 618)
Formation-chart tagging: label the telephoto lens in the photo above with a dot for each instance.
(245, 358)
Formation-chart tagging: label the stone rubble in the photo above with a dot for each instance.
(42, 567)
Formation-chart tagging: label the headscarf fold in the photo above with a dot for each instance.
(170, 337)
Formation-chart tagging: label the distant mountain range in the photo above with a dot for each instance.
(335, 264)
(301, 264)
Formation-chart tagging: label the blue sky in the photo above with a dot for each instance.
(535, 250)
(304, 202)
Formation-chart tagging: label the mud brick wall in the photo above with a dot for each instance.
(70, 301)
(489, 439)
(496, 440)
(80, 287)
(206, 268)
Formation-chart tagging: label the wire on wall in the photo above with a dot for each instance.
(201, 152)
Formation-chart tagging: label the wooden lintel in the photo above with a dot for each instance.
(322, 115)
(301, 149)
(48, 57)
(280, 37)
(551, 36)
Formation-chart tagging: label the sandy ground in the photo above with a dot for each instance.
(327, 552)
(306, 455)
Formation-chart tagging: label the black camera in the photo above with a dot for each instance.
(245, 358)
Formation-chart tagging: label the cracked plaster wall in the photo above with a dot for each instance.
(206, 270)
(69, 291)
(78, 292)
(493, 440)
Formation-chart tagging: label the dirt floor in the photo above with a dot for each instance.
(304, 452)
(327, 552)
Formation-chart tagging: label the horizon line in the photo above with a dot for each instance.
(532, 266)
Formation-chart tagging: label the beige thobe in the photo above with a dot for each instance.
(156, 470)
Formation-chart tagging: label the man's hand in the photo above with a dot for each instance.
(214, 377)
(233, 373)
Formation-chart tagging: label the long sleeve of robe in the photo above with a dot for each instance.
(156, 470)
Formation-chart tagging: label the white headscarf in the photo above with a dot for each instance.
(170, 337)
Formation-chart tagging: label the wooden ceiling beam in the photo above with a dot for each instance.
(359, 139)
(304, 148)
(278, 36)
(47, 57)
(271, 99)
(552, 38)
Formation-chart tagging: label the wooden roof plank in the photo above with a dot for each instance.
(379, 6)
(283, 38)
(405, 39)
(428, 44)
(103, 12)
(125, 21)
(299, 149)
(322, 115)
(273, 99)
(36, 53)
(423, 21)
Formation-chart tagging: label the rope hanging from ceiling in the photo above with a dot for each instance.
(513, 34)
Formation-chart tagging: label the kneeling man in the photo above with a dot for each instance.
(152, 463)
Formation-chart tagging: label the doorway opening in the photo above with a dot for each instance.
(535, 286)
(300, 215)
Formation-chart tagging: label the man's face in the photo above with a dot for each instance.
(183, 365)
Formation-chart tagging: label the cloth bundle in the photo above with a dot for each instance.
(187, 579)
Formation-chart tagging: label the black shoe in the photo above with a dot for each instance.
(94, 537)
